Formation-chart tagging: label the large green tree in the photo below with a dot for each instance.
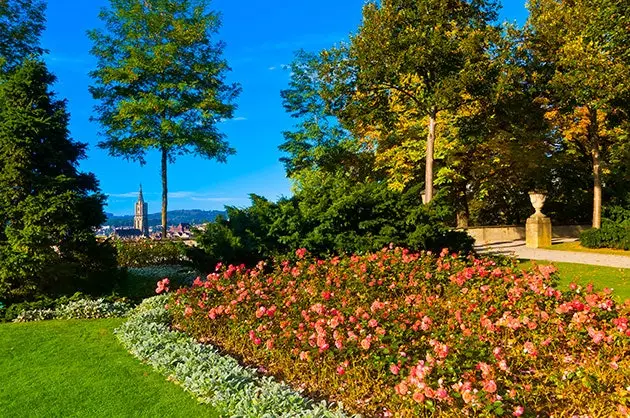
(584, 65)
(21, 24)
(419, 58)
(48, 208)
(160, 81)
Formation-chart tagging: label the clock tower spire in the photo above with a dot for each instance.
(141, 218)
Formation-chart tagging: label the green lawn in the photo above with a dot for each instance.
(78, 369)
(601, 277)
(575, 246)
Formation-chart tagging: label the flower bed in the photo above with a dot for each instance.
(213, 378)
(401, 334)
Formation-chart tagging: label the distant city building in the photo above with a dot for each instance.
(183, 227)
(128, 233)
(141, 217)
(183, 231)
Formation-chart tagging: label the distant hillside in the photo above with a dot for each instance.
(175, 217)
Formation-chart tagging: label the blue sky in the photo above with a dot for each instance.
(261, 37)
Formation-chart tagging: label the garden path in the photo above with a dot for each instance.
(519, 250)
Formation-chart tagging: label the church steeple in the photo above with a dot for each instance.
(141, 218)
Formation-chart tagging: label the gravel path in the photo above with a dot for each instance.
(519, 250)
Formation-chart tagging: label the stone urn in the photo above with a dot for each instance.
(538, 227)
(538, 201)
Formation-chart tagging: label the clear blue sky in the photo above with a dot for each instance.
(261, 37)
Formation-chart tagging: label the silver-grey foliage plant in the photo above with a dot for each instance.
(215, 379)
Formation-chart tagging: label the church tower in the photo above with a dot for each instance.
(141, 218)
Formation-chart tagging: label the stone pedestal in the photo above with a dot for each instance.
(538, 231)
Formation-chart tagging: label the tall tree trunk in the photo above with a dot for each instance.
(428, 176)
(463, 213)
(597, 169)
(164, 191)
(597, 188)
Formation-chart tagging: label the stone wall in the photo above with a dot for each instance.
(496, 234)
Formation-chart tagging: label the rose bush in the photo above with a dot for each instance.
(400, 334)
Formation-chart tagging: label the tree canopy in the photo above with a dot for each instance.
(505, 119)
(415, 59)
(21, 24)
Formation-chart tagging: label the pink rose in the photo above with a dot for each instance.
(365, 344)
(394, 368)
(490, 386)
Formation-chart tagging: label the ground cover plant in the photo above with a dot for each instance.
(78, 309)
(211, 376)
(77, 368)
(400, 334)
(77, 306)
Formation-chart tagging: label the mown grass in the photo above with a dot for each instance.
(78, 369)
(583, 274)
(575, 246)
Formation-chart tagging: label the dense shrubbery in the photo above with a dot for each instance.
(405, 334)
(614, 232)
(337, 217)
(143, 253)
(144, 262)
(139, 282)
(84, 265)
(212, 377)
(610, 235)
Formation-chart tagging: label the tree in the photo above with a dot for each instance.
(48, 209)
(160, 80)
(320, 141)
(425, 55)
(496, 146)
(584, 65)
(21, 24)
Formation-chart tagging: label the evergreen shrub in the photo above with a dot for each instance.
(48, 208)
(614, 232)
(139, 282)
(345, 218)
